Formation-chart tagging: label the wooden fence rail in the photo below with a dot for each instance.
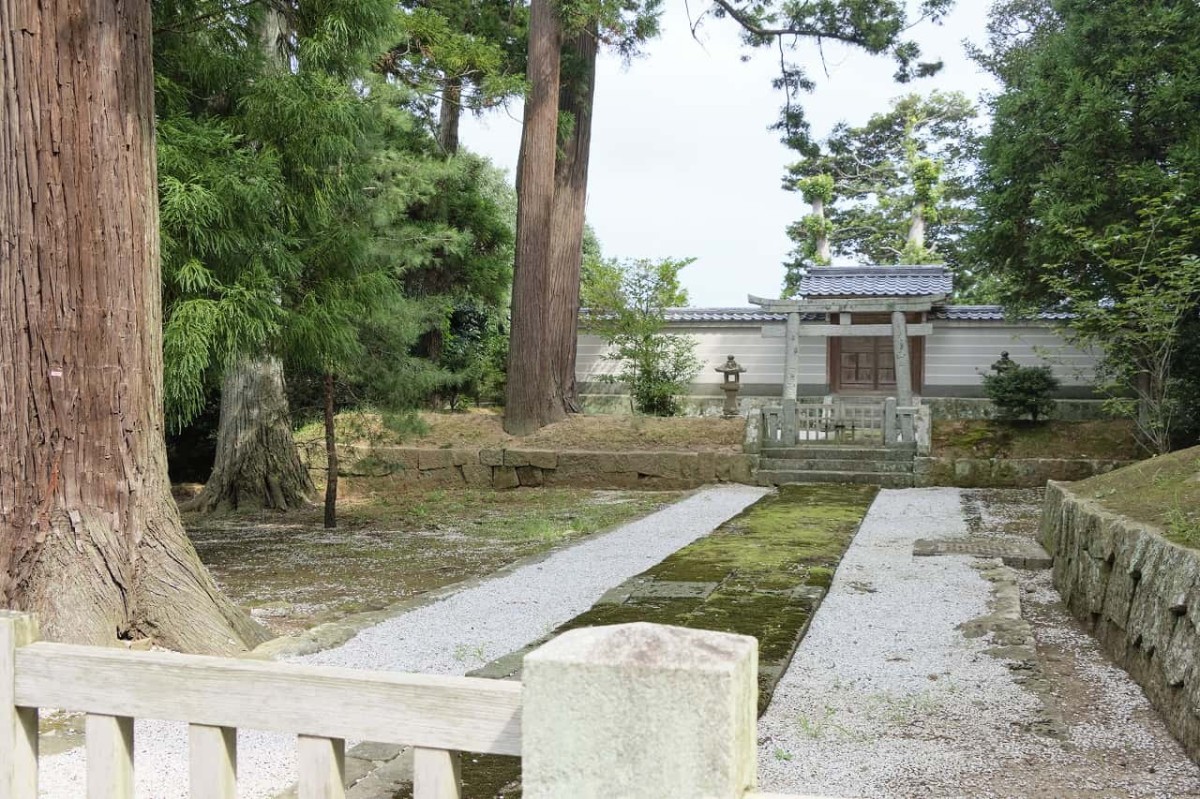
(580, 690)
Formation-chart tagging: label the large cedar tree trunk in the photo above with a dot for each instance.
(257, 463)
(576, 98)
(90, 539)
(532, 397)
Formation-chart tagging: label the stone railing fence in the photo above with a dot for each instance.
(636, 711)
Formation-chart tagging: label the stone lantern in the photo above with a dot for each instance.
(732, 384)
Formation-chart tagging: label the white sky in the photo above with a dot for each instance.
(682, 161)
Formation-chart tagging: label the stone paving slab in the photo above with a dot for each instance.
(1017, 554)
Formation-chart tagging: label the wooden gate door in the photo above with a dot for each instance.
(866, 363)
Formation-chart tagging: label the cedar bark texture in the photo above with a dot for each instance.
(449, 115)
(532, 397)
(576, 98)
(90, 539)
(257, 464)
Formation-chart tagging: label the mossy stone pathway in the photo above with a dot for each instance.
(762, 573)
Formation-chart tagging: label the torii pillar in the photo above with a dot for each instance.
(903, 361)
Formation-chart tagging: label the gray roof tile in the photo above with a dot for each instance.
(876, 281)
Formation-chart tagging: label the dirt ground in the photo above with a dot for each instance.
(1097, 736)
(394, 541)
(482, 428)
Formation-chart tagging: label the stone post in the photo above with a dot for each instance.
(640, 711)
(791, 369)
(904, 389)
(889, 422)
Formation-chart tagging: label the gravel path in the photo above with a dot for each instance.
(451, 636)
(887, 697)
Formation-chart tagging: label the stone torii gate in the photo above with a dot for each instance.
(899, 330)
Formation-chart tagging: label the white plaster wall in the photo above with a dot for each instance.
(960, 353)
(758, 347)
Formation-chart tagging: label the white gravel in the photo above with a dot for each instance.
(451, 636)
(887, 698)
(884, 685)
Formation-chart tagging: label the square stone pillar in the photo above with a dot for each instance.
(640, 711)
(904, 388)
(791, 365)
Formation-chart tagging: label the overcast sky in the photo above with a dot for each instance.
(682, 161)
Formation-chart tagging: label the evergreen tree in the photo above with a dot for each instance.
(899, 189)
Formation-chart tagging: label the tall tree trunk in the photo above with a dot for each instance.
(915, 241)
(331, 468)
(824, 252)
(576, 99)
(257, 464)
(532, 396)
(449, 115)
(90, 539)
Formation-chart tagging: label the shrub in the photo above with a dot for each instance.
(626, 305)
(1019, 391)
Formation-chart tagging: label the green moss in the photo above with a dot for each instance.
(1164, 491)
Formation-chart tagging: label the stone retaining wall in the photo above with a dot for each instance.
(1139, 594)
(510, 468)
(1006, 472)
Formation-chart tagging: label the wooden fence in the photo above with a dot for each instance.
(665, 691)
(838, 420)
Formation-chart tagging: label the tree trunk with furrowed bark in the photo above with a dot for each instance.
(257, 464)
(532, 396)
(576, 98)
(90, 539)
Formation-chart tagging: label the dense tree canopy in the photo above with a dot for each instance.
(1097, 112)
(898, 189)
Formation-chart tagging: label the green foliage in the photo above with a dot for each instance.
(816, 187)
(625, 305)
(1138, 324)
(912, 162)
(1097, 110)
(479, 44)
(1018, 391)
(306, 210)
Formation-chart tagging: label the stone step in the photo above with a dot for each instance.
(813, 452)
(886, 480)
(834, 465)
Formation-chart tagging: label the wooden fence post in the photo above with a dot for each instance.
(640, 711)
(18, 725)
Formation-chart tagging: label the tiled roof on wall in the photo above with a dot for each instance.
(989, 313)
(973, 313)
(875, 281)
(722, 315)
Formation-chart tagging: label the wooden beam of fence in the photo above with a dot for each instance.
(455, 713)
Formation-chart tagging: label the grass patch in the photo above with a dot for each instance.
(1109, 439)
(395, 541)
(1163, 491)
(483, 428)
